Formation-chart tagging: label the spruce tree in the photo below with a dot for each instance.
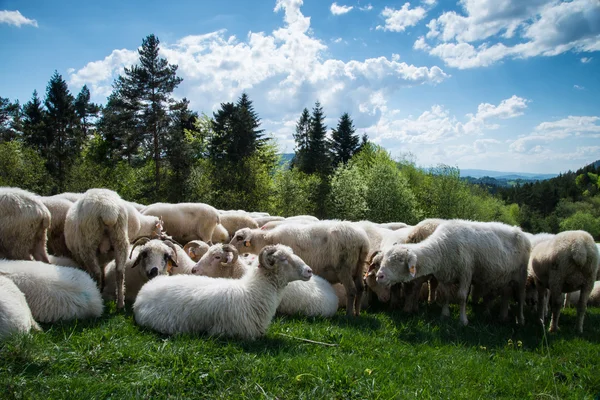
(63, 143)
(10, 120)
(34, 130)
(344, 141)
(301, 138)
(85, 110)
(317, 156)
(146, 90)
(247, 138)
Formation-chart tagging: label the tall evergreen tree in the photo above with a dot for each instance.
(85, 110)
(63, 143)
(301, 138)
(223, 130)
(10, 120)
(35, 133)
(344, 141)
(248, 138)
(119, 127)
(146, 89)
(317, 156)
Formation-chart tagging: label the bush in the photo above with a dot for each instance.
(21, 166)
(582, 221)
(346, 199)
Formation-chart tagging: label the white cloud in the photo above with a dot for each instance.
(586, 60)
(437, 125)
(283, 72)
(542, 28)
(429, 3)
(399, 20)
(421, 44)
(368, 7)
(337, 40)
(339, 10)
(546, 132)
(578, 87)
(16, 18)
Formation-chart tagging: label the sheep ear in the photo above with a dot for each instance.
(246, 243)
(170, 265)
(412, 265)
(137, 261)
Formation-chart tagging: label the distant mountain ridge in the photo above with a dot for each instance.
(480, 173)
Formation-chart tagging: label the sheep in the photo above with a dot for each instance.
(63, 261)
(15, 315)
(538, 238)
(98, 228)
(594, 299)
(489, 254)
(263, 220)
(423, 230)
(54, 292)
(72, 197)
(336, 250)
(24, 220)
(220, 235)
(186, 221)
(313, 298)
(274, 224)
(302, 218)
(233, 222)
(196, 249)
(394, 226)
(256, 214)
(147, 259)
(564, 263)
(240, 308)
(58, 207)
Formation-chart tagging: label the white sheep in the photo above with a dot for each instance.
(394, 226)
(196, 249)
(240, 308)
(98, 228)
(15, 315)
(147, 259)
(489, 254)
(336, 250)
(186, 221)
(24, 220)
(232, 222)
(564, 263)
(274, 224)
(263, 220)
(58, 207)
(54, 292)
(313, 298)
(594, 299)
(72, 197)
(220, 235)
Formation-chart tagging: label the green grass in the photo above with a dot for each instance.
(379, 355)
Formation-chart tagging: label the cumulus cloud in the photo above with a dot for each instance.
(282, 71)
(399, 20)
(546, 132)
(535, 28)
(339, 10)
(437, 125)
(16, 18)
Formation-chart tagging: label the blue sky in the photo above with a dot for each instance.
(508, 85)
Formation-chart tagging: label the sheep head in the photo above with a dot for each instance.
(196, 249)
(155, 257)
(283, 265)
(242, 240)
(398, 264)
(217, 262)
(382, 291)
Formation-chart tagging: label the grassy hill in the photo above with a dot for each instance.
(379, 355)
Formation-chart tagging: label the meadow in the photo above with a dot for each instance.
(381, 355)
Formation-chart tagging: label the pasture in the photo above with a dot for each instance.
(380, 355)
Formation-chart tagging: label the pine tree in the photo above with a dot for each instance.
(146, 90)
(119, 127)
(317, 156)
(34, 129)
(223, 131)
(10, 120)
(85, 110)
(247, 138)
(344, 142)
(63, 144)
(301, 138)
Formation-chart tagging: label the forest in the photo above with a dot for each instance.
(150, 146)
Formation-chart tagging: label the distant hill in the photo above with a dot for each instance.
(510, 176)
(286, 157)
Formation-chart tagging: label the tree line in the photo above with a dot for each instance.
(149, 146)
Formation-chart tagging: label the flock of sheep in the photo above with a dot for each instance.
(61, 256)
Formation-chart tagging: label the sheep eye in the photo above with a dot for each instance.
(240, 238)
(166, 257)
(218, 257)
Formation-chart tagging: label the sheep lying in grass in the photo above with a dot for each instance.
(24, 220)
(240, 308)
(594, 299)
(147, 259)
(53, 292)
(492, 255)
(196, 249)
(186, 221)
(313, 298)
(337, 251)
(564, 263)
(15, 315)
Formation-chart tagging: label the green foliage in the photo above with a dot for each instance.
(10, 120)
(21, 166)
(582, 221)
(344, 141)
(294, 192)
(347, 199)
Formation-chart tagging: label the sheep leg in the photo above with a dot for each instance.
(409, 296)
(541, 301)
(582, 305)
(120, 278)
(351, 292)
(433, 284)
(506, 295)
(555, 302)
(360, 288)
(443, 296)
(522, 294)
(463, 293)
(40, 253)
